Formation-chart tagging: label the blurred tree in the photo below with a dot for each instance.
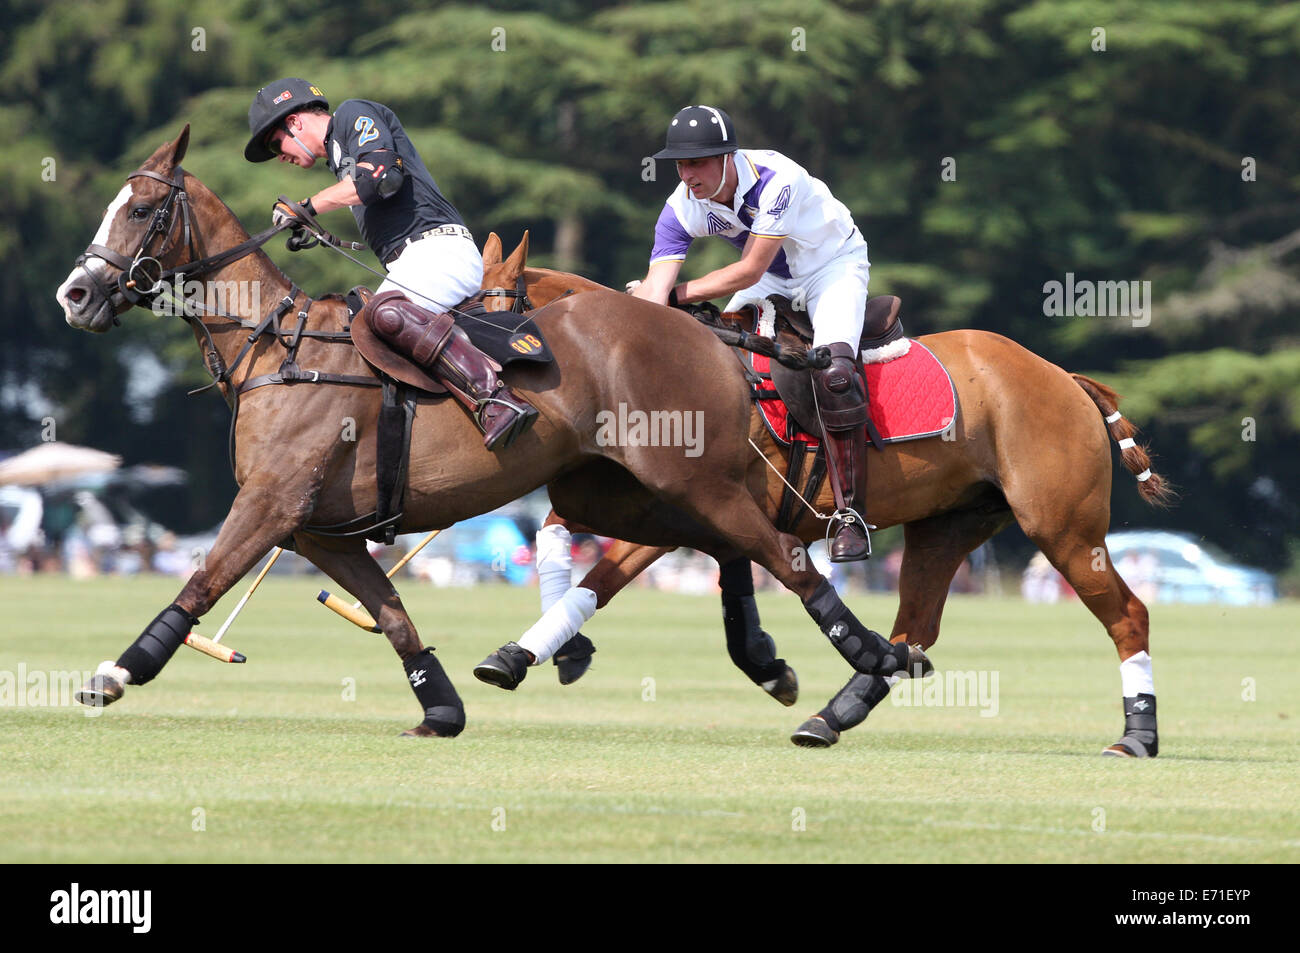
(985, 147)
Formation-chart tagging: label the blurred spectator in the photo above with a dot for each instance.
(168, 559)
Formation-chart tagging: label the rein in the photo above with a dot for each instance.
(799, 359)
(145, 268)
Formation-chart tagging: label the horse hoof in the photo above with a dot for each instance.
(784, 688)
(99, 691)
(1128, 747)
(918, 663)
(815, 733)
(504, 668)
(424, 731)
(574, 658)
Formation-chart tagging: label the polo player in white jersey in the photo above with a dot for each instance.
(796, 240)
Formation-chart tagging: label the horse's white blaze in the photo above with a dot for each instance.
(94, 261)
(106, 226)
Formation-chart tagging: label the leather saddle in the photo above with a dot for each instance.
(381, 355)
(880, 326)
(377, 352)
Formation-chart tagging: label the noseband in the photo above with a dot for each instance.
(519, 294)
(147, 269)
(144, 269)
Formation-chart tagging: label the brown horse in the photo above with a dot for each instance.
(304, 433)
(1028, 445)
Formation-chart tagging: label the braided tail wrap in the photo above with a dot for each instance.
(1154, 488)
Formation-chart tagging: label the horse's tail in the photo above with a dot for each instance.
(1153, 487)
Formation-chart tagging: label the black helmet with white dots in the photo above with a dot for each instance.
(699, 131)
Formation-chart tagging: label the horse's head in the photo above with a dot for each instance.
(136, 241)
(502, 280)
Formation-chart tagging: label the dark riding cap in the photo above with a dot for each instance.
(271, 105)
(699, 131)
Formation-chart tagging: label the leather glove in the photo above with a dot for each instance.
(284, 215)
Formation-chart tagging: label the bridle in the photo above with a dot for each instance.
(144, 268)
(521, 302)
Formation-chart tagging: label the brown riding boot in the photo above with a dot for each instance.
(841, 395)
(435, 343)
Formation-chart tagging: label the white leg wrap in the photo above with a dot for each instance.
(554, 563)
(1135, 676)
(559, 624)
(112, 669)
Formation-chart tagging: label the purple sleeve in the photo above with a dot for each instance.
(671, 239)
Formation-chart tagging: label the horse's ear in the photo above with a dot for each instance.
(180, 145)
(519, 257)
(492, 250)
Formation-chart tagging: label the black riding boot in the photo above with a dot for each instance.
(842, 401)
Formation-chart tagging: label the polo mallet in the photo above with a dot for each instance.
(354, 613)
(211, 646)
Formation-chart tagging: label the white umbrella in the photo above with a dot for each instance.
(55, 461)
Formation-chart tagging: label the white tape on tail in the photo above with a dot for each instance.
(1144, 476)
(1114, 417)
(890, 352)
(1127, 442)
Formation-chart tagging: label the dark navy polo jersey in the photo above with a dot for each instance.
(360, 127)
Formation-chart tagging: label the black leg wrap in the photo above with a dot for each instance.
(736, 578)
(443, 711)
(867, 651)
(1140, 727)
(851, 706)
(751, 649)
(157, 644)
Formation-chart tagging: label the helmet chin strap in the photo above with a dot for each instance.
(721, 182)
(301, 145)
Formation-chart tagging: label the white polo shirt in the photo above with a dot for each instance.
(775, 196)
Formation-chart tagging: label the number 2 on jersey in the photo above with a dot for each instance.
(366, 126)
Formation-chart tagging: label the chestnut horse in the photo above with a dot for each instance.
(1028, 445)
(304, 433)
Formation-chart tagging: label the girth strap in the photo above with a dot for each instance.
(793, 470)
(392, 463)
(392, 455)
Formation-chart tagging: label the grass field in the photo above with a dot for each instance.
(270, 761)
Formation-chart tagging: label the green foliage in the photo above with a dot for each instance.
(1124, 163)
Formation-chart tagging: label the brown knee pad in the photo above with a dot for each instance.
(410, 329)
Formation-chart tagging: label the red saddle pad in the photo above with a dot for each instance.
(911, 397)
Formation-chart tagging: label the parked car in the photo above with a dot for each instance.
(1177, 567)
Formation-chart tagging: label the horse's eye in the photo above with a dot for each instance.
(140, 212)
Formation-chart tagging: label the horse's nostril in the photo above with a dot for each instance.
(76, 294)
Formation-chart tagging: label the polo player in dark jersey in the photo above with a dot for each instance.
(432, 261)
